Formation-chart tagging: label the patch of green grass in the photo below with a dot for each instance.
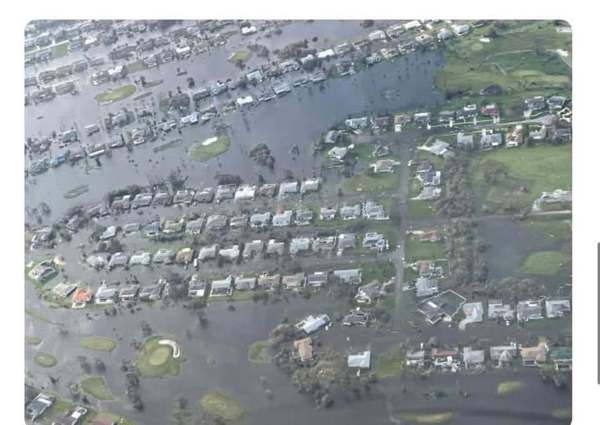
(390, 363)
(96, 387)
(33, 340)
(416, 250)
(563, 413)
(220, 405)
(371, 183)
(98, 343)
(44, 359)
(60, 50)
(499, 176)
(420, 209)
(509, 387)
(427, 418)
(544, 263)
(39, 316)
(552, 229)
(156, 360)
(136, 66)
(115, 94)
(203, 152)
(167, 145)
(260, 352)
(240, 56)
(381, 271)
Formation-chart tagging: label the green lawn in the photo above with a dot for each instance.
(417, 250)
(367, 183)
(553, 229)
(390, 363)
(240, 56)
(44, 359)
(509, 387)
(220, 405)
(60, 50)
(544, 263)
(156, 360)
(136, 66)
(96, 387)
(420, 209)
(98, 343)
(563, 413)
(115, 94)
(33, 340)
(499, 176)
(426, 418)
(259, 352)
(381, 271)
(203, 151)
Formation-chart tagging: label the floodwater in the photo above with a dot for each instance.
(296, 119)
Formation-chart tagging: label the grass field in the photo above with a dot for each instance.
(98, 343)
(259, 352)
(426, 418)
(417, 250)
(390, 363)
(509, 387)
(203, 151)
(96, 387)
(420, 209)
(33, 340)
(156, 360)
(522, 58)
(239, 56)
(367, 183)
(498, 177)
(544, 263)
(136, 66)
(45, 359)
(115, 94)
(553, 229)
(381, 271)
(60, 50)
(220, 405)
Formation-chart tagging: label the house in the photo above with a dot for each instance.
(231, 254)
(281, 88)
(346, 241)
(561, 358)
(359, 360)
(184, 256)
(374, 241)
(490, 110)
(490, 140)
(412, 25)
(515, 137)
(557, 308)
(173, 226)
(208, 252)
(164, 256)
(357, 317)
(534, 104)
(534, 356)
(337, 153)
(342, 49)
(63, 289)
(350, 212)
(556, 102)
(245, 283)
(473, 314)
(185, 196)
(426, 287)
(121, 204)
(332, 137)
(473, 358)
(282, 219)
(205, 195)
(81, 297)
(255, 77)
(529, 310)
(152, 292)
(312, 324)
(38, 406)
(327, 214)
(368, 294)
(260, 220)
(444, 358)
(288, 188)
(351, 276)
(499, 311)
(225, 191)
(310, 185)
(442, 306)
(358, 123)
(275, 247)
(238, 221)
(503, 354)
(96, 261)
(129, 292)
(220, 288)
(464, 141)
(299, 245)
(384, 166)
(252, 248)
(415, 358)
(422, 118)
(197, 287)
(269, 281)
(460, 29)
(373, 211)
(305, 348)
(194, 227)
(161, 198)
(118, 259)
(317, 279)
(245, 192)
(304, 217)
(323, 244)
(293, 281)
(438, 148)
(216, 222)
(377, 35)
(268, 190)
(140, 258)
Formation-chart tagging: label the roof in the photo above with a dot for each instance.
(360, 360)
(81, 295)
(305, 348)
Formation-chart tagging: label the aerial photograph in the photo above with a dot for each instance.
(269, 222)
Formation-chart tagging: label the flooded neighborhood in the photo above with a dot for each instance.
(356, 221)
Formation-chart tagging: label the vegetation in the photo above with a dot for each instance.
(544, 263)
(96, 387)
(371, 183)
(60, 50)
(115, 94)
(420, 209)
(33, 340)
(427, 418)
(381, 271)
(260, 352)
(416, 250)
(511, 179)
(156, 360)
(98, 343)
(44, 359)
(221, 406)
(509, 387)
(203, 151)
(239, 57)
(552, 229)
(564, 413)
(390, 363)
